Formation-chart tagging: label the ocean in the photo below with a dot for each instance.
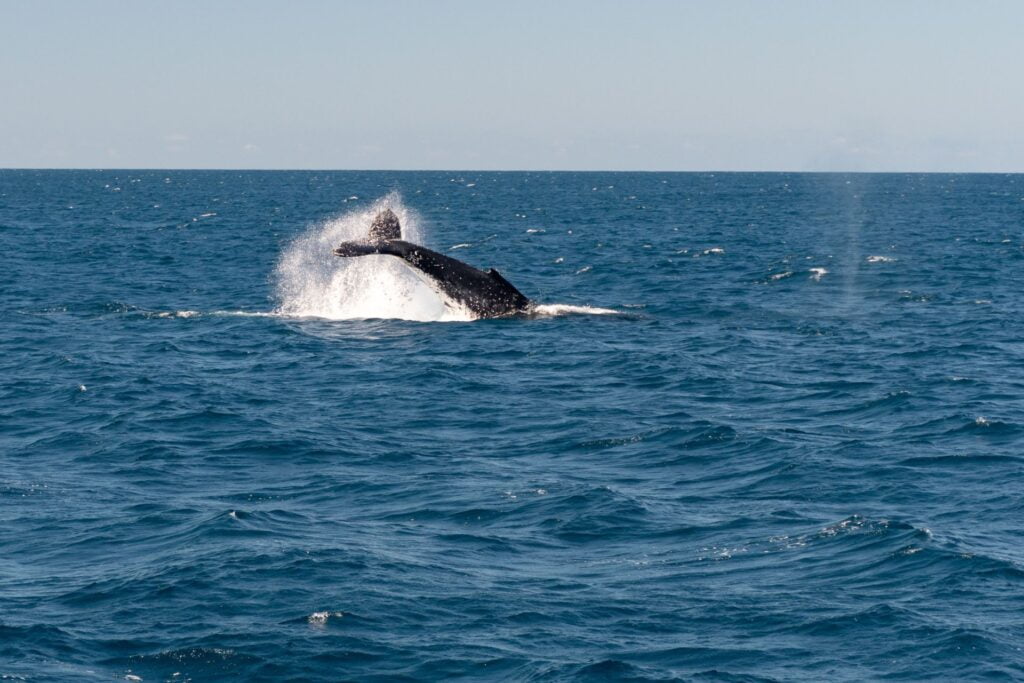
(761, 427)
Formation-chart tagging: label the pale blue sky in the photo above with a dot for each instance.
(564, 84)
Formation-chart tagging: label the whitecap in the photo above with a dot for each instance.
(817, 273)
(244, 314)
(174, 314)
(568, 309)
(321, 618)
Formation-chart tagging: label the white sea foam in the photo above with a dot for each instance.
(567, 309)
(313, 282)
(243, 314)
(321, 618)
(782, 276)
(880, 259)
(817, 273)
(199, 314)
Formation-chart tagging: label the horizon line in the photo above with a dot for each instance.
(470, 170)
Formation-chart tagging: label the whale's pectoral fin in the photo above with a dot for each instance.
(346, 249)
(384, 229)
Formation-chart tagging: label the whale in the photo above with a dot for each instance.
(484, 292)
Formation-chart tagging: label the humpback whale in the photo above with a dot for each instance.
(485, 293)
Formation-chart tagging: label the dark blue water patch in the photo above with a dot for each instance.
(791, 453)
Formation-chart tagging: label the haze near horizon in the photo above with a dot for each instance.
(788, 86)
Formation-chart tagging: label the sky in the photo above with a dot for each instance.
(676, 85)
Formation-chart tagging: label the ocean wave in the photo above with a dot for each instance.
(212, 661)
(729, 478)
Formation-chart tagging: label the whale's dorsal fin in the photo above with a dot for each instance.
(513, 295)
(495, 275)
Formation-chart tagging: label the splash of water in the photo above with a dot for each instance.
(313, 282)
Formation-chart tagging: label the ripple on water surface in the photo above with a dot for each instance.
(759, 427)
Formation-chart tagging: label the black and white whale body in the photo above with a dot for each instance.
(485, 293)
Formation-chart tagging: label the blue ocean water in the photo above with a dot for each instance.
(793, 450)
